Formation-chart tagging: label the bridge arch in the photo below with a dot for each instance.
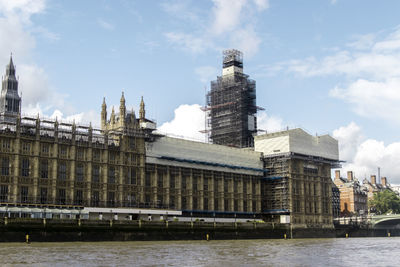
(389, 222)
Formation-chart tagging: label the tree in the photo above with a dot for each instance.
(385, 202)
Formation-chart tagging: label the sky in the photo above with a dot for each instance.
(327, 66)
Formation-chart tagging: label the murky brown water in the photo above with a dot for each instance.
(298, 252)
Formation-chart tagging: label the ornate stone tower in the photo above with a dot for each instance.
(122, 121)
(10, 101)
(142, 112)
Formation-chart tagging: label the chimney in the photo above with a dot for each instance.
(350, 175)
(337, 174)
(383, 181)
(373, 179)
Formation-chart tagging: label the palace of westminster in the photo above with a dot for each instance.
(128, 165)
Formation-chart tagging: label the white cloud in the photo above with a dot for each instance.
(187, 122)
(269, 123)
(188, 42)
(37, 95)
(350, 138)
(227, 15)
(206, 73)
(364, 156)
(232, 24)
(247, 41)
(373, 99)
(262, 4)
(21, 9)
(372, 69)
(105, 25)
(79, 118)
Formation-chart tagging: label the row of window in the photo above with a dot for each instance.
(129, 200)
(113, 156)
(184, 183)
(62, 172)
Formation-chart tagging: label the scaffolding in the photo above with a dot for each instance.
(275, 186)
(231, 104)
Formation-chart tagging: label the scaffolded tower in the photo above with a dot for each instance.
(231, 103)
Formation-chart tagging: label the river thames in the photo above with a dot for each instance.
(297, 252)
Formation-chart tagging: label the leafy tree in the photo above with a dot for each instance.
(385, 202)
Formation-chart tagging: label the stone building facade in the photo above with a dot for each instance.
(373, 187)
(298, 181)
(127, 165)
(46, 162)
(353, 196)
(201, 178)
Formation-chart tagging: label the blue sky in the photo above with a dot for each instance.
(326, 66)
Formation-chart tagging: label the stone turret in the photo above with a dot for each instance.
(122, 110)
(142, 112)
(103, 113)
(122, 121)
(112, 119)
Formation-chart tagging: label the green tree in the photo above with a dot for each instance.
(385, 202)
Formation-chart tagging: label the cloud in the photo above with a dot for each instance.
(247, 41)
(79, 118)
(350, 137)
(188, 121)
(21, 10)
(371, 66)
(206, 73)
(105, 25)
(269, 123)
(373, 99)
(188, 42)
(364, 156)
(227, 15)
(231, 24)
(262, 4)
(38, 97)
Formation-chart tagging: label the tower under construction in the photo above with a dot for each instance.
(231, 103)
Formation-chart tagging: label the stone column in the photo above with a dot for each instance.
(200, 187)
(166, 186)
(16, 165)
(240, 192)
(154, 185)
(211, 192)
(178, 194)
(120, 178)
(70, 194)
(189, 195)
(36, 169)
(88, 178)
(231, 195)
(104, 177)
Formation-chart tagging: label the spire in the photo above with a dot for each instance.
(10, 101)
(122, 110)
(112, 116)
(10, 70)
(142, 112)
(122, 98)
(103, 113)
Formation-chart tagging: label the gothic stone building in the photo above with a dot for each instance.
(128, 167)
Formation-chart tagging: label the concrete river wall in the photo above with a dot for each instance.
(56, 230)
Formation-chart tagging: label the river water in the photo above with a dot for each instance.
(296, 252)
